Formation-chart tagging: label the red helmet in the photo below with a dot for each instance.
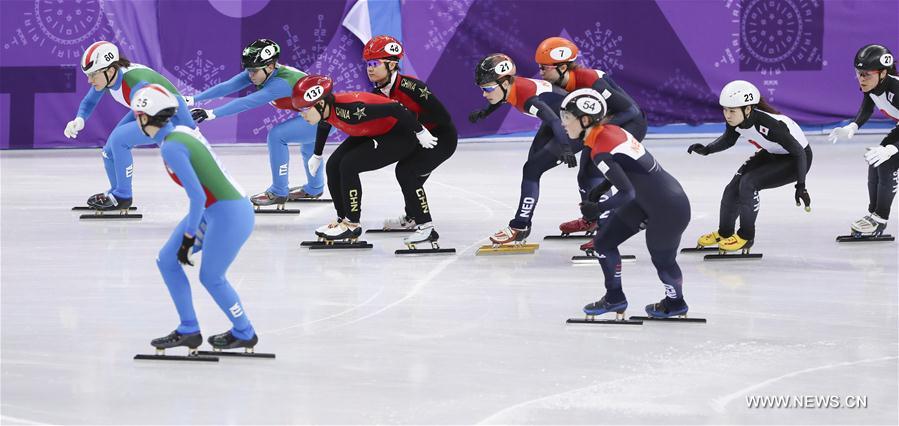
(309, 90)
(556, 50)
(382, 47)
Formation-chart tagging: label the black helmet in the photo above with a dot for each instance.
(493, 68)
(260, 53)
(873, 57)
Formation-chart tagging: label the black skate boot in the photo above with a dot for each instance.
(108, 202)
(227, 340)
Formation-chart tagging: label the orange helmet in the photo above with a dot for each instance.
(556, 50)
(382, 47)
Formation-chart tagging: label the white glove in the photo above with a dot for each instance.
(877, 155)
(314, 162)
(74, 127)
(426, 139)
(189, 100)
(845, 132)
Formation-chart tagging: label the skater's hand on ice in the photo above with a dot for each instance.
(802, 194)
(184, 251)
(189, 100)
(200, 115)
(567, 157)
(698, 148)
(426, 139)
(74, 127)
(845, 132)
(590, 209)
(477, 115)
(877, 155)
(314, 162)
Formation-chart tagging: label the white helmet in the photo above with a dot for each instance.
(587, 102)
(739, 93)
(155, 101)
(98, 56)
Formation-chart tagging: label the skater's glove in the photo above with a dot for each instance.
(426, 139)
(877, 155)
(477, 115)
(567, 156)
(845, 132)
(698, 148)
(184, 250)
(74, 127)
(590, 209)
(189, 100)
(802, 194)
(313, 164)
(200, 115)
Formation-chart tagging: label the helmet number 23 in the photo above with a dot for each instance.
(747, 97)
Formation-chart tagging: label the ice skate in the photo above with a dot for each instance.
(400, 223)
(727, 247)
(104, 204)
(707, 242)
(868, 228)
(298, 194)
(227, 340)
(266, 199)
(424, 234)
(509, 240)
(588, 227)
(673, 310)
(174, 340)
(342, 235)
(602, 307)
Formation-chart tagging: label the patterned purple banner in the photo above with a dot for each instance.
(672, 56)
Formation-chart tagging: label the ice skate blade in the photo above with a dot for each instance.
(593, 260)
(508, 249)
(88, 208)
(335, 245)
(670, 319)
(698, 249)
(376, 230)
(311, 200)
(589, 320)
(237, 354)
(733, 256)
(110, 215)
(851, 239)
(425, 251)
(568, 237)
(202, 358)
(276, 211)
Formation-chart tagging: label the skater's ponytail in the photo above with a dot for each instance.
(765, 106)
(123, 62)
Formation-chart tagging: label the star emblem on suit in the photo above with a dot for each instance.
(424, 92)
(360, 112)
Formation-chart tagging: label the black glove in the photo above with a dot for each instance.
(184, 250)
(590, 209)
(567, 157)
(199, 115)
(597, 192)
(698, 148)
(802, 194)
(477, 115)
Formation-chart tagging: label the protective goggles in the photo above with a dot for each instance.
(490, 88)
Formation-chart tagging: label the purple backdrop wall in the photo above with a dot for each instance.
(671, 55)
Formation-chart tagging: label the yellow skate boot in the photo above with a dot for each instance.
(710, 239)
(734, 243)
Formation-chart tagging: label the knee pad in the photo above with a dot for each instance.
(211, 279)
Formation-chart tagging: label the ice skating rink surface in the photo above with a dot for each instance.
(370, 337)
